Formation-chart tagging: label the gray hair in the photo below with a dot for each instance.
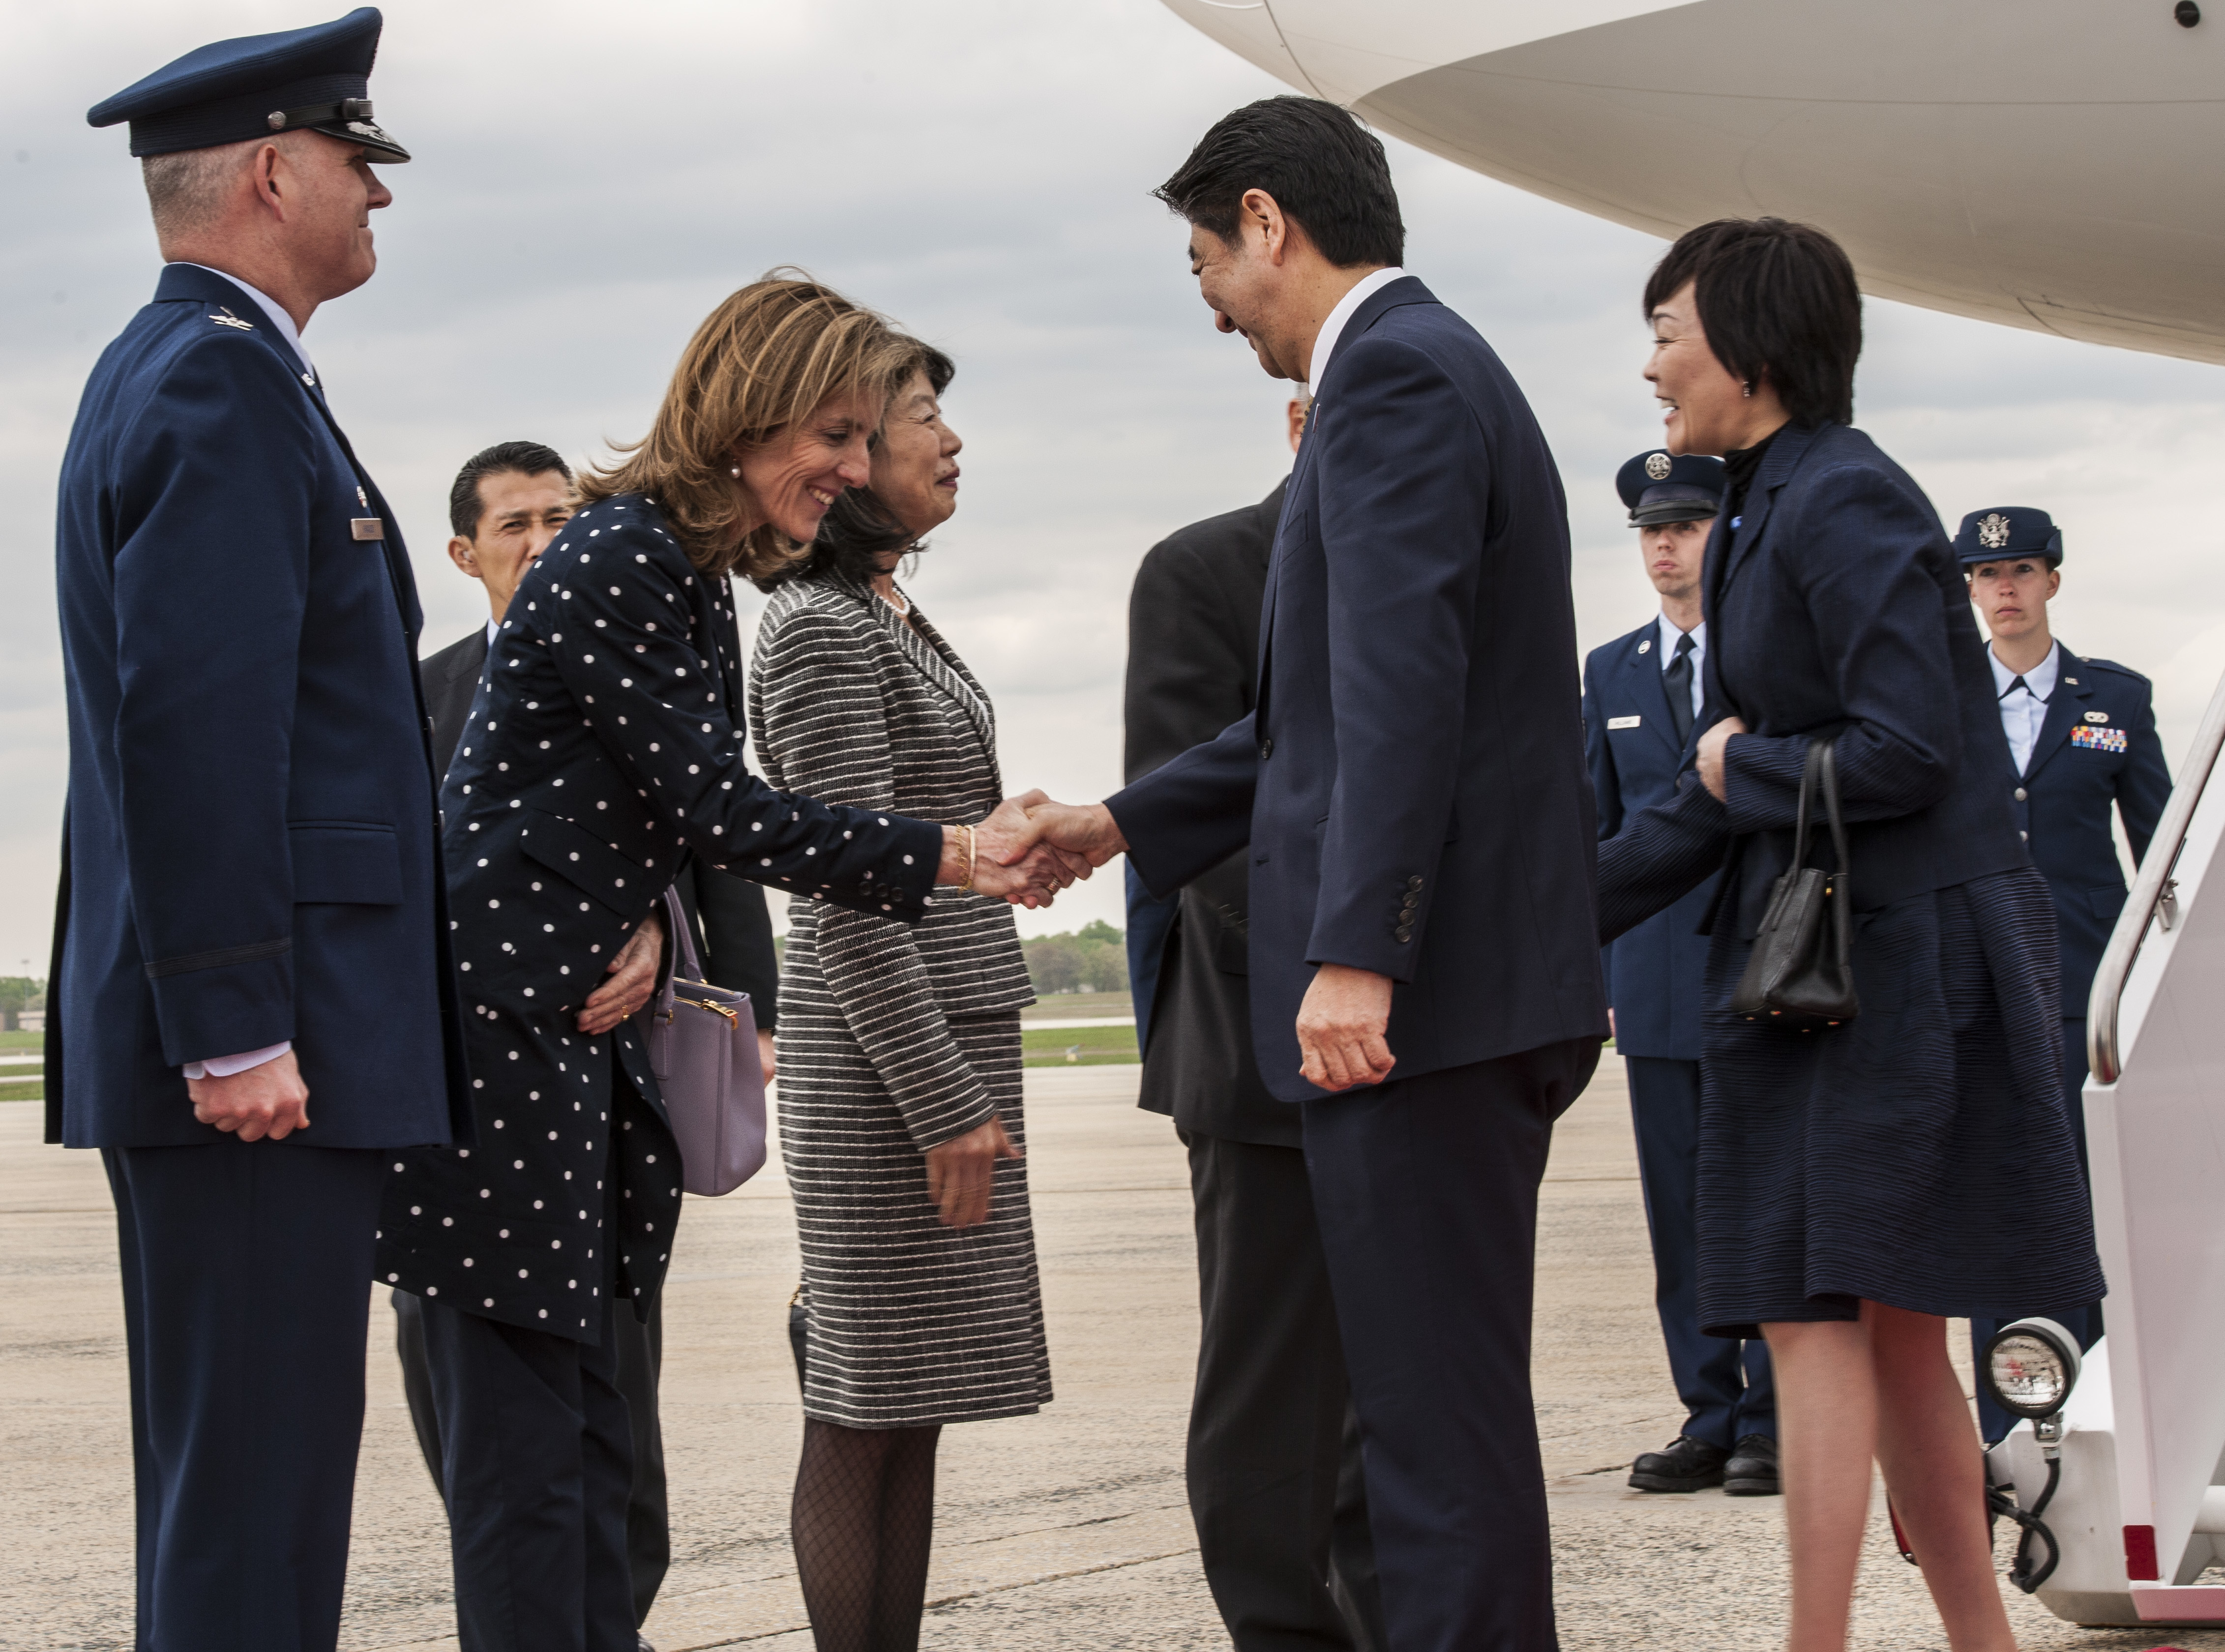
(186, 189)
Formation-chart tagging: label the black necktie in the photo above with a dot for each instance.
(1677, 678)
(2012, 687)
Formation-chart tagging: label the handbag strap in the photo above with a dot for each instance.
(1827, 782)
(1809, 773)
(681, 956)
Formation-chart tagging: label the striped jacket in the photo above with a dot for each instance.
(850, 703)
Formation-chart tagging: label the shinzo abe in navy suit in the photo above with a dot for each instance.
(252, 974)
(1642, 694)
(2081, 739)
(1425, 976)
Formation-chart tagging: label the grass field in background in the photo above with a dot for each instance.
(22, 1089)
(1093, 1045)
(1076, 1006)
(23, 1041)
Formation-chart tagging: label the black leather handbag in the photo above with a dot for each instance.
(1801, 974)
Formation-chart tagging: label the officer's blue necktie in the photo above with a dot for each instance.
(1677, 678)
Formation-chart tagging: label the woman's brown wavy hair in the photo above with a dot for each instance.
(762, 361)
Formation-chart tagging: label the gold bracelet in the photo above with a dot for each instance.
(968, 883)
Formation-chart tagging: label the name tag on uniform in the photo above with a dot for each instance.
(2094, 739)
(368, 527)
(1624, 722)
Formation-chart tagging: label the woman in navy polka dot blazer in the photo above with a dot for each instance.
(605, 745)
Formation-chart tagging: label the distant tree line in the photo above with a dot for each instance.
(17, 994)
(1092, 959)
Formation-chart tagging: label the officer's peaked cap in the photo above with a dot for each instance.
(235, 90)
(2004, 531)
(1662, 487)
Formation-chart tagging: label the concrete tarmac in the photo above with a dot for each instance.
(1067, 1529)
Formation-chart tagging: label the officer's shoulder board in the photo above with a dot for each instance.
(2113, 667)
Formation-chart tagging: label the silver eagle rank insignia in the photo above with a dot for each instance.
(1657, 466)
(226, 318)
(1994, 530)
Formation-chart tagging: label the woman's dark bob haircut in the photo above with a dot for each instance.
(859, 532)
(1780, 303)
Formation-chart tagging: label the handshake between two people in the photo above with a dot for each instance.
(1030, 848)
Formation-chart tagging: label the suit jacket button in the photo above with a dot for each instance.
(1415, 882)
(1266, 749)
(2019, 794)
(1404, 934)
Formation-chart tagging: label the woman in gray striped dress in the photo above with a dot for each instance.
(900, 1118)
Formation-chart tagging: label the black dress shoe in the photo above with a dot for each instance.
(1684, 1464)
(641, 1644)
(1752, 1471)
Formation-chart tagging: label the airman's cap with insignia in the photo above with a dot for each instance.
(318, 78)
(1662, 487)
(2004, 531)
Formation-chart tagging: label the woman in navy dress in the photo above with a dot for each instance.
(604, 747)
(1860, 1184)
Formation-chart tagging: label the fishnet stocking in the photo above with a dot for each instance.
(863, 1522)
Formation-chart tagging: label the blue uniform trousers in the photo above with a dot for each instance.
(537, 1469)
(2084, 1322)
(1725, 1385)
(1426, 1190)
(244, 1270)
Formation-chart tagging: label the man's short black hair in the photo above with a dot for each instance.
(525, 457)
(1779, 302)
(1325, 169)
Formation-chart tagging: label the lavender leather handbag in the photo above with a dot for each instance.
(703, 1047)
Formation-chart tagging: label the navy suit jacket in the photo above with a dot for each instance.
(2062, 802)
(1410, 780)
(1835, 607)
(1654, 972)
(251, 851)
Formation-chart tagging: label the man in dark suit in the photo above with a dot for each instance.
(251, 915)
(2081, 740)
(1275, 1485)
(1642, 695)
(505, 508)
(1412, 788)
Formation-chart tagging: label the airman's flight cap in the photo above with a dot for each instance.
(2006, 531)
(235, 90)
(1662, 487)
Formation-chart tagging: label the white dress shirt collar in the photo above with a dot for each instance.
(1333, 329)
(494, 629)
(279, 318)
(2040, 681)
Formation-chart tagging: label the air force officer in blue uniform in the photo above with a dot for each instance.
(250, 971)
(1642, 696)
(2083, 741)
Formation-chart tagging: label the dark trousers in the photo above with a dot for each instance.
(1725, 1385)
(245, 1315)
(1275, 1482)
(1426, 1189)
(640, 1348)
(2083, 1321)
(537, 1469)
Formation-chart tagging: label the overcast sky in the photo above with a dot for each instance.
(592, 178)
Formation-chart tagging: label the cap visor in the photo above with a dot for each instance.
(379, 148)
(1655, 515)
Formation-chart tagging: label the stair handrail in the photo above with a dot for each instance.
(2154, 888)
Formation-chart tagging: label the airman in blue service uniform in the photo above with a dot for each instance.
(1641, 706)
(251, 1001)
(2082, 737)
